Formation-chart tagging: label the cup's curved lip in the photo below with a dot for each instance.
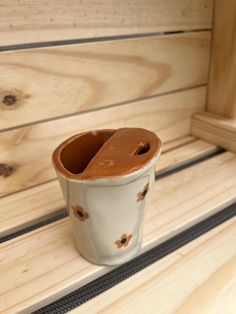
(118, 179)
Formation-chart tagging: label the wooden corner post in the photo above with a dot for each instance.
(218, 123)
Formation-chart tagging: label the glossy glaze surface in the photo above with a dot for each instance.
(106, 153)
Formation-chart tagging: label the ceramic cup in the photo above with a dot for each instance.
(106, 214)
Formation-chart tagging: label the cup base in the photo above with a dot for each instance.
(114, 260)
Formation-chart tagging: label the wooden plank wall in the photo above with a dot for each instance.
(150, 72)
(24, 21)
(27, 150)
(52, 82)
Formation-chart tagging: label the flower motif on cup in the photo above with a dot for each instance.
(80, 213)
(123, 241)
(141, 195)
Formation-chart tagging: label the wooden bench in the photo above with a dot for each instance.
(168, 66)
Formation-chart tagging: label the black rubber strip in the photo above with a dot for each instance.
(62, 214)
(105, 282)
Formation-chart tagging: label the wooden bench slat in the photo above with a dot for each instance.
(184, 154)
(28, 207)
(28, 149)
(179, 142)
(24, 22)
(200, 276)
(41, 266)
(40, 84)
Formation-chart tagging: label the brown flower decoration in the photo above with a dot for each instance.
(141, 195)
(80, 212)
(124, 240)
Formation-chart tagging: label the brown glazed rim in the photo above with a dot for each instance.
(56, 160)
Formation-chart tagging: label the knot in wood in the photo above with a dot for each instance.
(5, 170)
(9, 100)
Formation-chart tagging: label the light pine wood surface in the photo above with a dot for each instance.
(28, 149)
(42, 265)
(183, 154)
(198, 278)
(25, 208)
(39, 84)
(29, 22)
(222, 82)
(215, 129)
(179, 142)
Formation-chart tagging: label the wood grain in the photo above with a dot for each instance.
(180, 142)
(182, 154)
(29, 22)
(215, 129)
(39, 84)
(28, 207)
(198, 278)
(222, 82)
(28, 149)
(43, 265)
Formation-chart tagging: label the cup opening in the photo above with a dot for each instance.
(142, 148)
(76, 155)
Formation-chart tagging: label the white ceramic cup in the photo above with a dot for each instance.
(107, 214)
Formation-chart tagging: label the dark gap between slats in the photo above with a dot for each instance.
(91, 39)
(107, 281)
(62, 214)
